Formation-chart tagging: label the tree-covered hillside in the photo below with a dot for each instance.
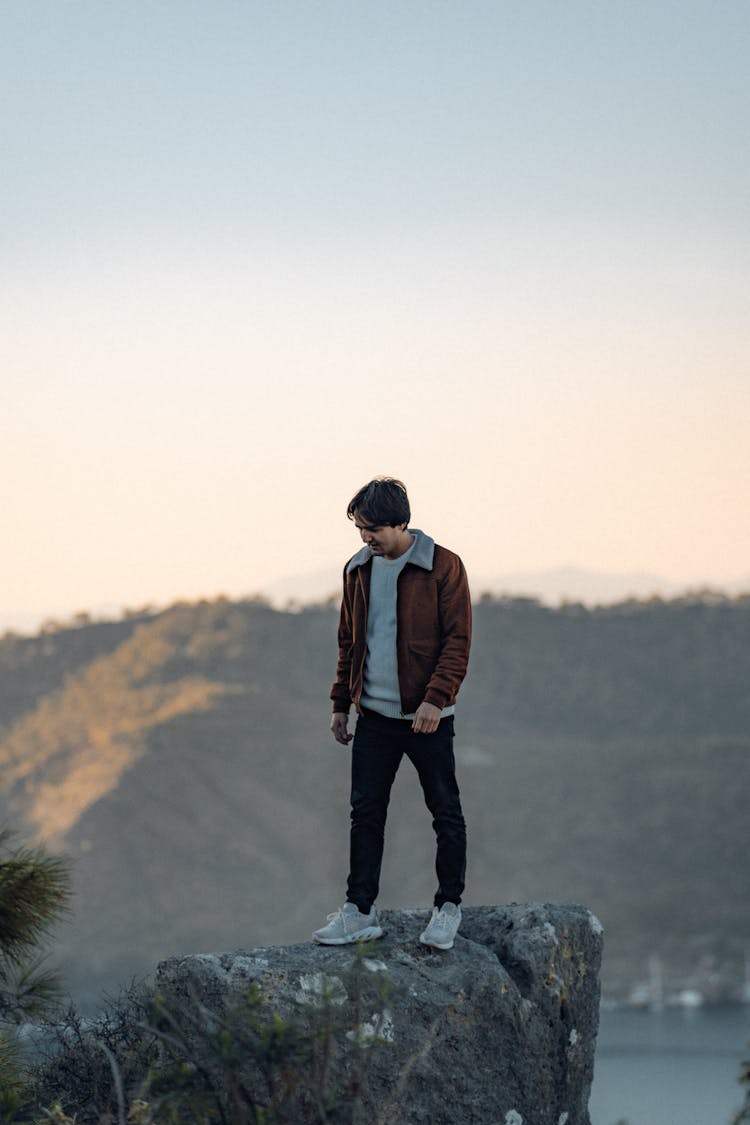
(659, 668)
(184, 760)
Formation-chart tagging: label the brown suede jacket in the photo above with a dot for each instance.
(433, 627)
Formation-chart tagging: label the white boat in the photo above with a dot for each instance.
(688, 998)
(650, 995)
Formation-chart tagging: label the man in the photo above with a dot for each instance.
(404, 636)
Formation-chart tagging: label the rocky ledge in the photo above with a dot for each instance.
(499, 1030)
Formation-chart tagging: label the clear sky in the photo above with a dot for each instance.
(253, 254)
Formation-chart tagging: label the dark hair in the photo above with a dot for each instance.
(382, 502)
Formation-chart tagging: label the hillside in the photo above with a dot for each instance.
(184, 760)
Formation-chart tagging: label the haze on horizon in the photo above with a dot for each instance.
(253, 255)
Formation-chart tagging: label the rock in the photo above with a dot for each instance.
(500, 1030)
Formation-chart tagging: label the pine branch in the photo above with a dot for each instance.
(34, 894)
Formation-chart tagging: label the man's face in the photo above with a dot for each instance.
(384, 541)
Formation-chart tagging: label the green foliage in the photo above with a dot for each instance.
(34, 894)
(34, 891)
(75, 1057)
(14, 1091)
(166, 1059)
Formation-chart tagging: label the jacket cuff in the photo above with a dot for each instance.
(341, 705)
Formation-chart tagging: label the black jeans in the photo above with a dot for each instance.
(378, 747)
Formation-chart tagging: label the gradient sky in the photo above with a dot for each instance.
(253, 254)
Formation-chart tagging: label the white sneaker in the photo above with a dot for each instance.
(442, 927)
(347, 924)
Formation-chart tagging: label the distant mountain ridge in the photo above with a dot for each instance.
(183, 759)
(553, 586)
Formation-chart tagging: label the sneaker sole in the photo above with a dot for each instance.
(361, 935)
(435, 944)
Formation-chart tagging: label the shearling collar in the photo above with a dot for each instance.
(423, 552)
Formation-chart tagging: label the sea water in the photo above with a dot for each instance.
(673, 1067)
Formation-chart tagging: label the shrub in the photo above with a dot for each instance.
(150, 1058)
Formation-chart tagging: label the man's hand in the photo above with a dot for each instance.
(426, 719)
(339, 726)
